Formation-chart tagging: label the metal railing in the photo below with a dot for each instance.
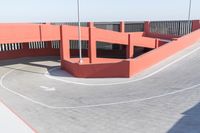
(10, 47)
(83, 24)
(134, 26)
(178, 28)
(37, 45)
(114, 26)
(75, 45)
(55, 44)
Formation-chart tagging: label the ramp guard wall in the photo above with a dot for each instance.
(159, 54)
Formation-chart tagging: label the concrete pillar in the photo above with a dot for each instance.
(64, 46)
(92, 51)
(195, 25)
(156, 43)
(130, 47)
(122, 27)
(146, 27)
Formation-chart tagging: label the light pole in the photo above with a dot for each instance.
(189, 13)
(79, 33)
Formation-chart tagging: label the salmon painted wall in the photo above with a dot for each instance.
(138, 39)
(195, 25)
(15, 33)
(155, 56)
(93, 66)
(93, 35)
(110, 36)
(101, 70)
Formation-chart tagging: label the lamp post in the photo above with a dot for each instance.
(79, 33)
(189, 13)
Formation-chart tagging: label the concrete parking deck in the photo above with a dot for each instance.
(11, 123)
(162, 99)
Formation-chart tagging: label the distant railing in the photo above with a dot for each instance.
(74, 44)
(37, 45)
(114, 26)
(178, 28)
(55, 44)
(134, 26)
(83, 24)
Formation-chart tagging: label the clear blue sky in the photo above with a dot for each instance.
(96, 10)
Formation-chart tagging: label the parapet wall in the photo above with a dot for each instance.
(101, 70)
(128, 68)
(26, 34)
(159, 54)
(25, 51)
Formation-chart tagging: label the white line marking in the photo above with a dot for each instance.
(48, 88)
(125, 82)
(104, 104)
(93, 105)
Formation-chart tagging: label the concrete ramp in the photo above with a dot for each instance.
(11, 123)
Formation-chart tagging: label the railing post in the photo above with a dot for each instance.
(92, 43)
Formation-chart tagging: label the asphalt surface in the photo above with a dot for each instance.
(162, 99)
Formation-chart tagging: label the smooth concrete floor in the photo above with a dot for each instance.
(162, 99)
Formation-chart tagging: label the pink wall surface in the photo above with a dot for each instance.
(138, 39)
(101, 70)
(155, 56)
(14, 33)
(93, 66)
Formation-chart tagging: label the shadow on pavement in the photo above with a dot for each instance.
(189, 123)
(30, 62)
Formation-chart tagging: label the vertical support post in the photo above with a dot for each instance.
(122, 26)
(146, 28)
(156, 43)
(92, 51)
(195, 25)
(130, 47)
(64, 46)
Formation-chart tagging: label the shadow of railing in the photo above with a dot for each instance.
(189, 123)
(30, 61)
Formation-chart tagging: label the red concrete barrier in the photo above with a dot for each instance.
(93, 66)
(138, 39)
(26, 52)
(15, 33)
(155, 56)
(195, 25)
(105, 70)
